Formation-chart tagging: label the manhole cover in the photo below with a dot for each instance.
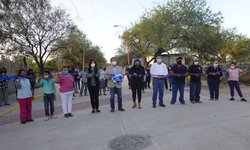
(129, 142)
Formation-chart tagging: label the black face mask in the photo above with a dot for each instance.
(137, 65)
(179, 62)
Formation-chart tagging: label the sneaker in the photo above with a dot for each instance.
(93, 111)
(104, 94)
(121, 109)
(172, 103)
(98, 110)
(112, 110)
(53, 117)
(66, 115)
(6, 104)
(47, 118)
(70, 115)
(154, 106)
(183, 103)
(193, 102)
(31, 120)
(243, 100)
(162, 105)
(232, 99)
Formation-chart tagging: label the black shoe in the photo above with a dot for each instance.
(93, 111)
(183, 103)
(112, 110)
(31, 120)
(6, 104)
(193, 102)
(66, 115)
(232, 99)
(98, 110)
(121, 109)
(162, 105)
(172, 103)
(104, 94)
(243, 100)
(70, 115)
(154, 106)
(23, 122)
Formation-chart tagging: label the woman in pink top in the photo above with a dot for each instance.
(233, 81)
(66, 82)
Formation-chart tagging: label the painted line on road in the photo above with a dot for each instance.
(16, 106)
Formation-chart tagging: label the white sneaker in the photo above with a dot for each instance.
(53, 117)
(47, 118)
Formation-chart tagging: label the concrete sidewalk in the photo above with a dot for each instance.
(212, 125)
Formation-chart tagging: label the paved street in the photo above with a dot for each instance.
(221, 125)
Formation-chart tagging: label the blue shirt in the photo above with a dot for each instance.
(25, 90)
(179, 70)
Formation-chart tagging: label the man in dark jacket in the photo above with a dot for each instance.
(195, 72)
(179, 76)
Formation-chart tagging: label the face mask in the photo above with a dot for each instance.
(46, 76)
(92, 65)
(159, 60)
(65, 72)
(179, 62)
(196, 62)
(216, 65)
(232, 67)
(137, 65)
(113, 63)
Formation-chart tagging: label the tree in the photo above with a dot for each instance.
(189, 26)
(35, 24)
(74, 47)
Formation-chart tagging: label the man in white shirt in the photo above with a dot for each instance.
(158, 72)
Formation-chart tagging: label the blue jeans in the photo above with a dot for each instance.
(177, 87)
(170, 81)
(158, 85)
(114, 91)
(213, 85)
(195, 90)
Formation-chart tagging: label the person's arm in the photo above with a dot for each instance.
(53, 86)
(58, 80)
(166, 70)
(19, 83)
(152, 70)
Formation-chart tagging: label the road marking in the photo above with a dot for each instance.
(16, 106)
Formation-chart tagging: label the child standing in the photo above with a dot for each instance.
(49, 90)
(233, 81)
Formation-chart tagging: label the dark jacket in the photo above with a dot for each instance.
(211, 69)
(96, 77)
(179, 70)
(195, 69)
(137, 81)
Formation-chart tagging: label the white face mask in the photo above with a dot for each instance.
(113, 63)
(92, 65)
(216, 65)
(232, 67)
(196, 62)
(159, 60)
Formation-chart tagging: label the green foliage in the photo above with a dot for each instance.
(74, 47)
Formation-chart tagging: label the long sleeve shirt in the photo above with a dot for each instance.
(49, 86)
(66, 83)
(158, 70)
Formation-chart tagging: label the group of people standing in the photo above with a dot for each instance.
(95, 79)
(179, 72)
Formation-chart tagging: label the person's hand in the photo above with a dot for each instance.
(38, 78)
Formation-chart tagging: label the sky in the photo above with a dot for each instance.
(96, 18)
